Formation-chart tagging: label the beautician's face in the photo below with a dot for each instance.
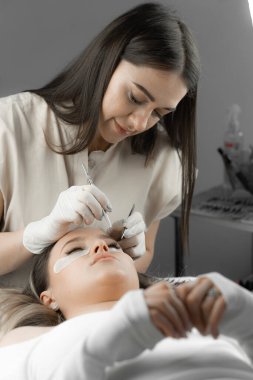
(104, 274)
(136, 98)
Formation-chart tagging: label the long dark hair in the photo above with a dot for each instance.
(149, 35)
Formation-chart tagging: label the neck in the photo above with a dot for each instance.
(98, 143)
(90, 309)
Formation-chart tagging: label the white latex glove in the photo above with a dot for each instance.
(133, 242)
(76, 205)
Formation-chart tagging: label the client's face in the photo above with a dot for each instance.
(103, 274)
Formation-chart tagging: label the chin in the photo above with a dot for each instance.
(111, 139)
(120, 279)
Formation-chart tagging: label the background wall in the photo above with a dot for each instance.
(37, 39)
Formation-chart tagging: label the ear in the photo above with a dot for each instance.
(48, 300)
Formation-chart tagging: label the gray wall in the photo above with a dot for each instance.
(38, 38)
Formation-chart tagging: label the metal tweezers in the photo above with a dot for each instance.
(90, 182)
(130, 213)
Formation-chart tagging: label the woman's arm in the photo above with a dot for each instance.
(144, 261)
(237, 320)
(12, 251)
(74, 351)
(218, 305)
(138, 321)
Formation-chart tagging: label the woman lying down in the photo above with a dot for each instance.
(115, 330)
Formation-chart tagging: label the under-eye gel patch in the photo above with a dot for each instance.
(67, 260)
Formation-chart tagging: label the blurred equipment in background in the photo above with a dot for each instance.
(238, 161)
(227, 204)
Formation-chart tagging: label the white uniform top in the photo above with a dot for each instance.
(122, 343)
(32, 175)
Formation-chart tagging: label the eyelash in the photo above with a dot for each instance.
(74, 250)
(111, 245)
(135, 101)
(114, 245)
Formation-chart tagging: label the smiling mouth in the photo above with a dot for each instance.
(121, 130)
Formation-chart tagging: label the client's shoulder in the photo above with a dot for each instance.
(21, 334)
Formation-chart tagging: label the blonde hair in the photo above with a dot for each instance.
(18, 309)
(23, 307)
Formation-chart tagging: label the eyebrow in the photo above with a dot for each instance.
(150, 96)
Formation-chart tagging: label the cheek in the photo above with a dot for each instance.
(72, 285)
(114, 104)
(131, 271)
(70, 275)
(151, 123)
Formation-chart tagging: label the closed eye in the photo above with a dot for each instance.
(133, 99)
(74, 250)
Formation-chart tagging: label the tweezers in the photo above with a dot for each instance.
(130, 213)
(90, 182)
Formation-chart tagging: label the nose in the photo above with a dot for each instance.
(99, 247)
(138, 121)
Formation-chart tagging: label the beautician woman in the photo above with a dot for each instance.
(125, 108)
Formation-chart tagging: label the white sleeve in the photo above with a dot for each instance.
(124, 333)
(128, 334)
(237, 321)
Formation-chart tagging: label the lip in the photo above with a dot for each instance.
(121, 131)
(103, 256)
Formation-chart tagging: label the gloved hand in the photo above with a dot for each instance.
(76, 205)
(133, 242)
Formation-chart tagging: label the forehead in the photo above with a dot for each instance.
(163, 84)
(145, 72)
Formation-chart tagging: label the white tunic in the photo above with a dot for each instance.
(123, 344)
(32, 175)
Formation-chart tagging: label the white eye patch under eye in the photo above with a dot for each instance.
(115, 249)
(67, 260)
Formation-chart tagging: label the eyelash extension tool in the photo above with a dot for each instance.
(130, 213)
(90, 182)
(89, 179)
